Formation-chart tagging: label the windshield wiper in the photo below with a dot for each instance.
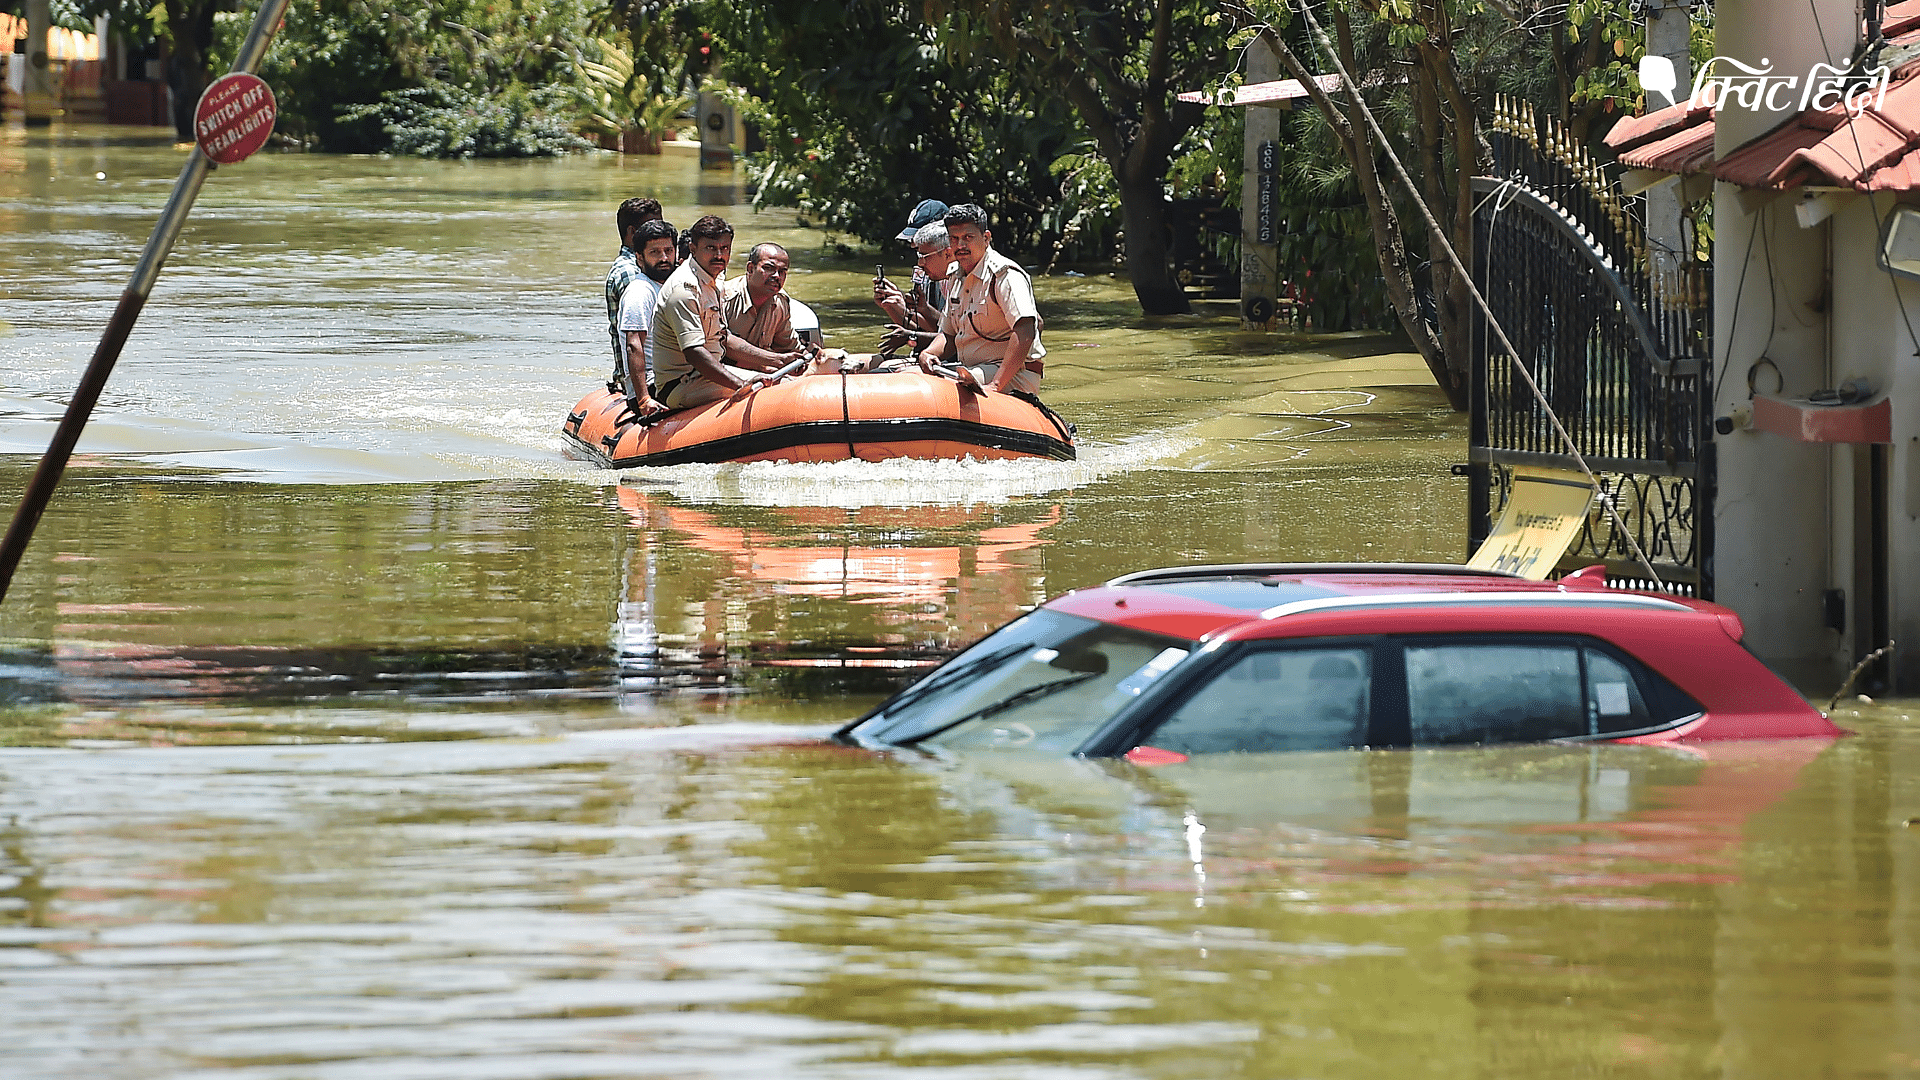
(1031, 693)
(940, 680)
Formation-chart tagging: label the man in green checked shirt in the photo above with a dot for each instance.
(625, 269)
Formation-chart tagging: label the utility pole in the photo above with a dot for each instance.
(1668, 31)
(1259, 222)
(38, 90)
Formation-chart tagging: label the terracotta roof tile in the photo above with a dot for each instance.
(1688, 150)
(1829, 148)
(1901, 108)
(1753, 164)
(1900, 18)
(1902, 175)
(1878, 150)
(1850, 152)
(1635, 130)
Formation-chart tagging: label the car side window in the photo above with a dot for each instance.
(1276, 699)
(1614, 700)
(1526, 691)
(1478, 693)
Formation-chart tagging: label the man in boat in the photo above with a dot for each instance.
(991, 324)
(888, 295)
(759, 313)
(632, 214)
(915, 316)
(690, 329)
(656, 244)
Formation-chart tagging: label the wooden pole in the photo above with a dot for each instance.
(53, 464)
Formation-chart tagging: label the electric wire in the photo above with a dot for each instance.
(1873, 207)
(1733, 322)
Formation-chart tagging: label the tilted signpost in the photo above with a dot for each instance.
(234, 119)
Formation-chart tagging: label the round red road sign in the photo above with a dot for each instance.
(235, 117)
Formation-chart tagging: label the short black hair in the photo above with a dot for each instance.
(966, 214)
(655, 229)
(711, 227)
(635, 212)
(753, 257)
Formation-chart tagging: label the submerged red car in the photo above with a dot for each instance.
(1168, 663)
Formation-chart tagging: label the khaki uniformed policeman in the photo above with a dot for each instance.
(990, 323)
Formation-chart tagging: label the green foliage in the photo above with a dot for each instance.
(864, 116)
(1615, 81)
(673, 43)
(448, 122)
(346, 72)
(614, 98)
(328, 58)
(68, 16)
(1212, 155)
(1088, 214)
(1326, 252)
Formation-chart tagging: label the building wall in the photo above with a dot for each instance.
(1771, 537)
(1873, 339)
(1776, 502)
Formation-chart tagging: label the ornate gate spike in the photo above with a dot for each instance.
(1613, 343)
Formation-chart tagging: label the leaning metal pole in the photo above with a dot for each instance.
(80, 408)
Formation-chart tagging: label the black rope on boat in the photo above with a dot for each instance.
(1065, 429)
(846, 416)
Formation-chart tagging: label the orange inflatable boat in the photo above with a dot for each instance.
(903, 414)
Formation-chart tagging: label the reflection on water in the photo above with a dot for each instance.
(894, 604)
(528, 777)
(635, 904)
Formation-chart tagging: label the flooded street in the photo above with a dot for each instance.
(348, 729)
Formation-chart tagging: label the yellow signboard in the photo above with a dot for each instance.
(1543, 517)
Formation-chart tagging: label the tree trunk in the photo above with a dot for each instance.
(1388, 239)
(1143, 214)
(1450, 192)
(190, 30)
(1356, 141)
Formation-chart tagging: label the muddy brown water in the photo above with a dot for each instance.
(353, 731)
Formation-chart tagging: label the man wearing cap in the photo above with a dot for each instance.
(915, 316)
(990, 323)
(901, 307)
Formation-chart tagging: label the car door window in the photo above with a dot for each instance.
(1475, 693)
(1276, 699)
(1525, 691)
(1614, 700)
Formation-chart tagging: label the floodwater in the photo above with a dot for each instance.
(353, 731)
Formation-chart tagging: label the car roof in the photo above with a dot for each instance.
(1196, 601)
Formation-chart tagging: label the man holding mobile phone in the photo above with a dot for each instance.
(991, 324)
(886, 293)
(915, 315)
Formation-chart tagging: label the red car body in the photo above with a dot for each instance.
(1693, 645)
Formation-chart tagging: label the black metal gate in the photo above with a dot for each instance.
(1620, 353)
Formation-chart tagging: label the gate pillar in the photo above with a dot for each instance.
(1259, 209)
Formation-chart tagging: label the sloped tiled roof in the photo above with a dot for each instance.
(1877, 150)
(1676, 139)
